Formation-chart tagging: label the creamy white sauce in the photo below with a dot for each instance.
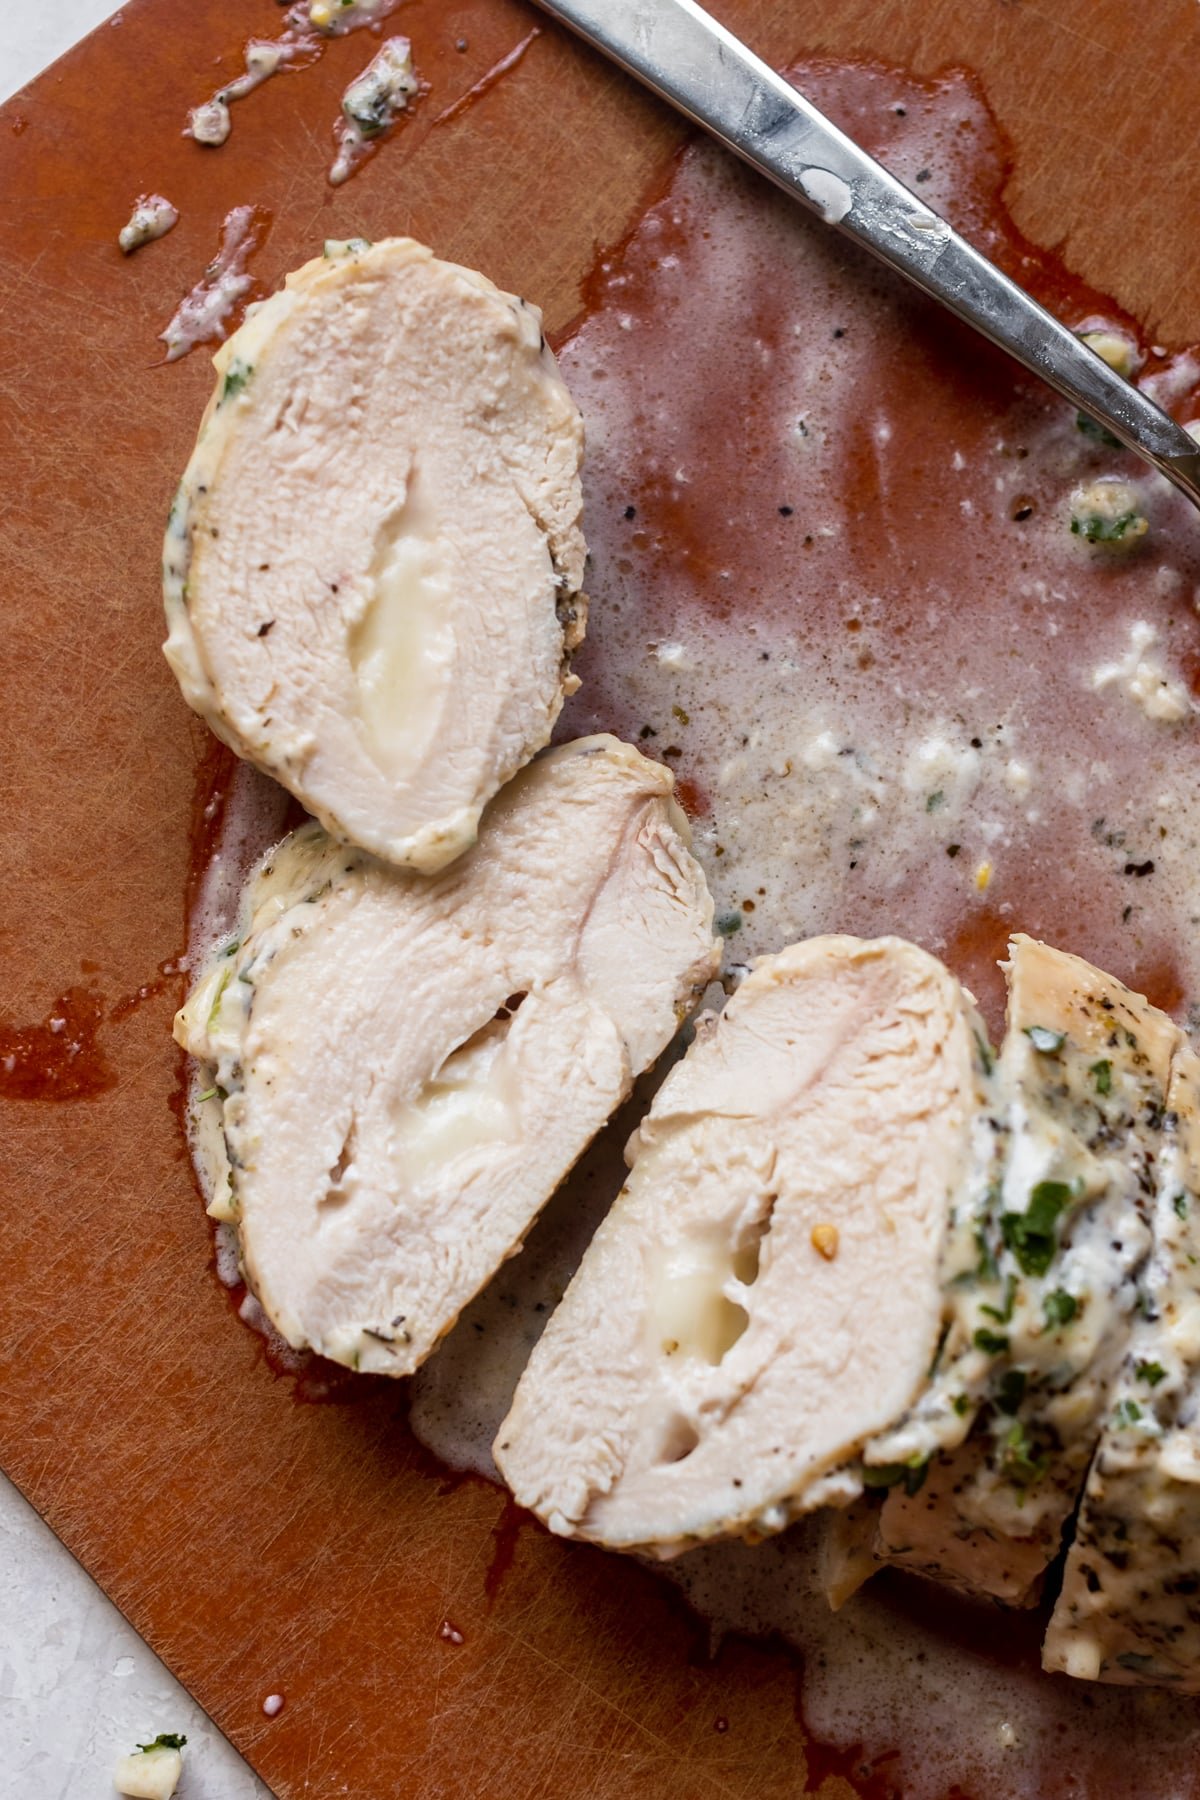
(152, 217)
(801, 687)
(371, 105)
(307, 24)
(204, 314)
(209, 123)
(402, 649)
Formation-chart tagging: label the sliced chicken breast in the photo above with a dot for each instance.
(1043, 1319)
(373, 564)
(765, 1293)
(1129, 1608)
(406, 1068)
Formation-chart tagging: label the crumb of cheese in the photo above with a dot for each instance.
(1118, 351)
(1144, 678)
(151, 1773)
(983, 876)
(1108, 512)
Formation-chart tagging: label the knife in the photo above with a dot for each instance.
(703, 70)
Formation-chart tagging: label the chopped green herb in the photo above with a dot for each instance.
(993, 1343)
(1128, 1412)
(914, 1481)
(1030, 1235)
(1102, 1071)
(1092, 428)
(166, 1740)
(886, 1475)
(1011, 1391)
(1043, 1039)
(208, 1094)
(883, 1475)
(1151, 1372)
(217, 999)
(1060, 1307)
(935, 801)
(369, 105)
(236, 377)
(1099, 530)
(725, 924)
(1002, 1314)
(960, 1403)
(1018, 1459)
(1136, 1660)
(986, 1059)
(1181, 1205)
(985, 1269)
(677, 712)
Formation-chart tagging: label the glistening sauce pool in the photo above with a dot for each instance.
(837, 588)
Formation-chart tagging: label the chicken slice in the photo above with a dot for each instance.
(405, 1068)
(765, 1293)
(1129, 1609)
(1042, 1321)
(372, 567)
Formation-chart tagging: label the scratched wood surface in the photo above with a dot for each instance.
(261, 1545)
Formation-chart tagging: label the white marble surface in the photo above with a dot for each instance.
(34, 35)
(78, 1687)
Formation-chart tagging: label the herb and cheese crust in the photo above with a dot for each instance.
(373, 565)
(1129, 1607)
(1039, 1319)
(765, 1293)
(402, 1069)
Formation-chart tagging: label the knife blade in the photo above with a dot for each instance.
(704, 71)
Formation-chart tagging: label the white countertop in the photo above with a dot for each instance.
(78, 1687)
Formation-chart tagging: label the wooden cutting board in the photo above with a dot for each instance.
(260, 1544)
